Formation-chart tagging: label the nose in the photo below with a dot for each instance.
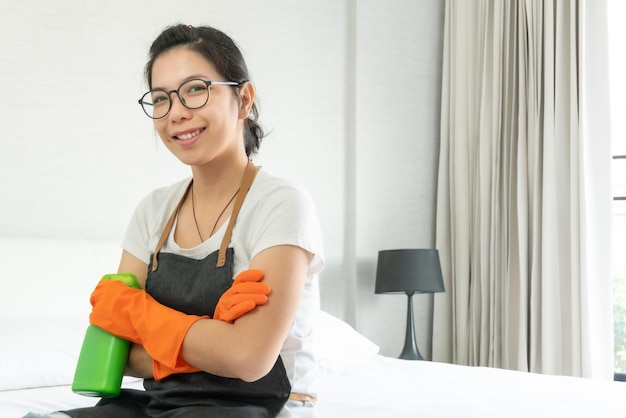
(178, 111)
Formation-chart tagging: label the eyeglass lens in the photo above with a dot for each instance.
(193, 94)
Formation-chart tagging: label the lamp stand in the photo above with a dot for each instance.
(410, 351)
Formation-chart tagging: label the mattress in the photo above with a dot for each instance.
(354, 380)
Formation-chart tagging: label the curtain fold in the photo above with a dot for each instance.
(511, 226)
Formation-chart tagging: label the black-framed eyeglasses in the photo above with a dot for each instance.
(193, 94)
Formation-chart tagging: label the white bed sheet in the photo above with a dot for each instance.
(387, 387)
(17, 403)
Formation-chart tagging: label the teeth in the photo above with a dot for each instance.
(189, 135)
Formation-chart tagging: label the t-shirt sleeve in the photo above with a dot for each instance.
(137, 238)
(287, 216)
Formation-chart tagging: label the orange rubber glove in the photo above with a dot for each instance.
(245, 294)
(134, 315)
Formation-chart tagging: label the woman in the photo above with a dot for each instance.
(186, 243)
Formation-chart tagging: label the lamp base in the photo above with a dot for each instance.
(410, 351)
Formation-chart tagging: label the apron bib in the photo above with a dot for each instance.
(194, 287)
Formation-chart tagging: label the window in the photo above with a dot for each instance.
(617, 71)
(619, 263)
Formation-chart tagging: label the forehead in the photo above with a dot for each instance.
(179, 64)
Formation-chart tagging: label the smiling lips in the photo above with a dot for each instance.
(188, 135)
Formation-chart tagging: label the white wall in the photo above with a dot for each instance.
(349, 89)
(399, 77)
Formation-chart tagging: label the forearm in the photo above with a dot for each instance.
(139, 363)
(248, 348)
(237, 353)
(207, 354)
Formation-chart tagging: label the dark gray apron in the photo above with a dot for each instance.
(194, 287)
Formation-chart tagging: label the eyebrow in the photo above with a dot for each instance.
(184, 80)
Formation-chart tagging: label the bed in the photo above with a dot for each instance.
(43, 311)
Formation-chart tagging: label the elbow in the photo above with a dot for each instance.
(253, 376)
(255, 366)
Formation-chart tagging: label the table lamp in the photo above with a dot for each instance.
(409, 271)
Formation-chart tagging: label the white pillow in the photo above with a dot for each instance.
(39, 352)
(338, 344)
(43, 352)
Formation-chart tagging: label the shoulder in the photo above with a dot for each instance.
(270, 189)
(279, 211)
(163, 199)
(150, 217)
(155, 208)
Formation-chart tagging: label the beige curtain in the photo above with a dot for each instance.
(523, 282)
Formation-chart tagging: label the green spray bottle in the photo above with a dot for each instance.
(103, 356)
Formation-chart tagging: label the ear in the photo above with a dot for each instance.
(246, 96)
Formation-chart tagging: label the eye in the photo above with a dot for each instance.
(159, 97)
(194, 87)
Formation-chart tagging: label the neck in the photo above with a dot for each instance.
(218, 179)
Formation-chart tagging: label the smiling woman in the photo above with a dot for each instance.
(208, 250)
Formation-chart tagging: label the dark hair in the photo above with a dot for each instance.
(219, 49)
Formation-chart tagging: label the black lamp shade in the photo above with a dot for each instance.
(409, 271)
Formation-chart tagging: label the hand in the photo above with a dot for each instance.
(109, 301)
(136, 316)
(245, 294)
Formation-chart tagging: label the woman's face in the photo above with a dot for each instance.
(197, 136)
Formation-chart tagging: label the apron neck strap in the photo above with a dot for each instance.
(168, 228)
(246, 182)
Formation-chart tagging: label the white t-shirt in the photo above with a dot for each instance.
(274, 212)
